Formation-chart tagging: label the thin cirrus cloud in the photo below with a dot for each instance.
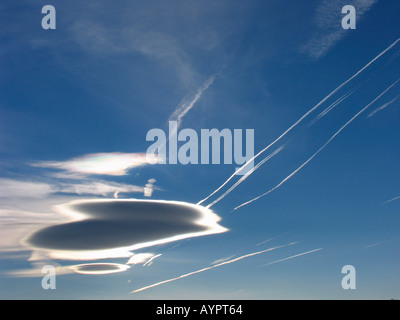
(384, 106)
(328, 23)
(17, 223)
(114, 163)
(12, 188)
(145, 36)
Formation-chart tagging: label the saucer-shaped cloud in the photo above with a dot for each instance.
(124, 224)
(100, 268)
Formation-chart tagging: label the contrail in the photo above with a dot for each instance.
(151, 259)
(340, 100)
(180, 112)
(394, 199)
(211, 267)
(319, 150)
(291, 257)
(245, 176)
(382, 242)
(270, 239)
(350, 92)
(185, 107)
(302, 118)
(383, 107)
(395, 56)
(332, 106)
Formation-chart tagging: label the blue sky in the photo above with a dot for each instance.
(77, 102)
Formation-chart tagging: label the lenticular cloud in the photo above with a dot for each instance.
(124, 224)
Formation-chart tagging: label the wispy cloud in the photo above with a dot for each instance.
(16, 223)
(144, 33)
(327, 20)
(383, 107)
(102, 188)
(10, 188)
(114, 163)
(218, 261)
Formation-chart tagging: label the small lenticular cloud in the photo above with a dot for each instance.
(140, 258)
(114, 163)
(99, 268)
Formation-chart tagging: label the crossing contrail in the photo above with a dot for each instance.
(245, 176)
(211, 267)
(332, 106)
(350, 92)
(319, 150)
(301, 119)
(291, 257)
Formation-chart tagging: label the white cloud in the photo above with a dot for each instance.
(114, 163)
(16, 224)
(328, 23)
(149, 188)
(102, 188)
(139, 35)
(159, 219)
(384, 106)
(140, 258)
(10, 188)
